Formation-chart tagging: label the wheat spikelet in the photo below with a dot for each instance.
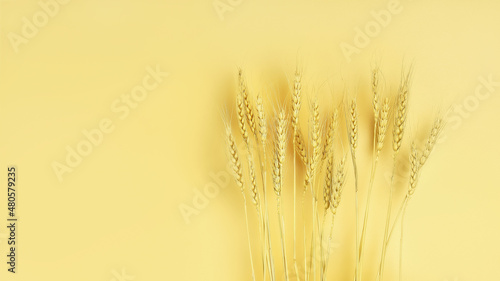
(261, 116)
(248, 105)
(307, 177)
(376, 95)
(253, 182)
(279, 153)
(353, 121)
(315, 138)
(338, 185)
(431, 141)
(327, 190)
(414, 169)
(330, 133)
(241, 118)
(235, 159)
(400, 114)
(300, 145)
(297, 86)
(382, 125)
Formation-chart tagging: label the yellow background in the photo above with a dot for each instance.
(119, 209)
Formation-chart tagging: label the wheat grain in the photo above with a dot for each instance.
(338, 186)
(330, 133)
(414, 169)
(400, 114)
(296, 96)
(300, 145)
(248, 105)
(376, 94)
(382, 125)
(431, 141)
(241, 119)
(235, 160)
(327, 190)
(253, 185)
(261, 116)
(353, 135)
(316, 135)
(280, 150)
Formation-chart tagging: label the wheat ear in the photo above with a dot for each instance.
(244, 134)
(376, 94)
(376, 151)
(248, 105)
(296, 102)
(400, 115)
(315, 136)
(238, 176)
(415, 169)
(327, 194)
(300, 145)
(414, 172)
(389, 205)
(279, 160)
(352, 132)
(338, 187)
(262, 128)
(241, 114)
(326, 155)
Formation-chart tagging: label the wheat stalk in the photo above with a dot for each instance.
(352, 133)
(315, 136)
(238, 176)
(417, 160)
(414, 171)
(262, 128)
(400, 116)
(338, 186)
(279, 160)
(296, 103)
(242, 116)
